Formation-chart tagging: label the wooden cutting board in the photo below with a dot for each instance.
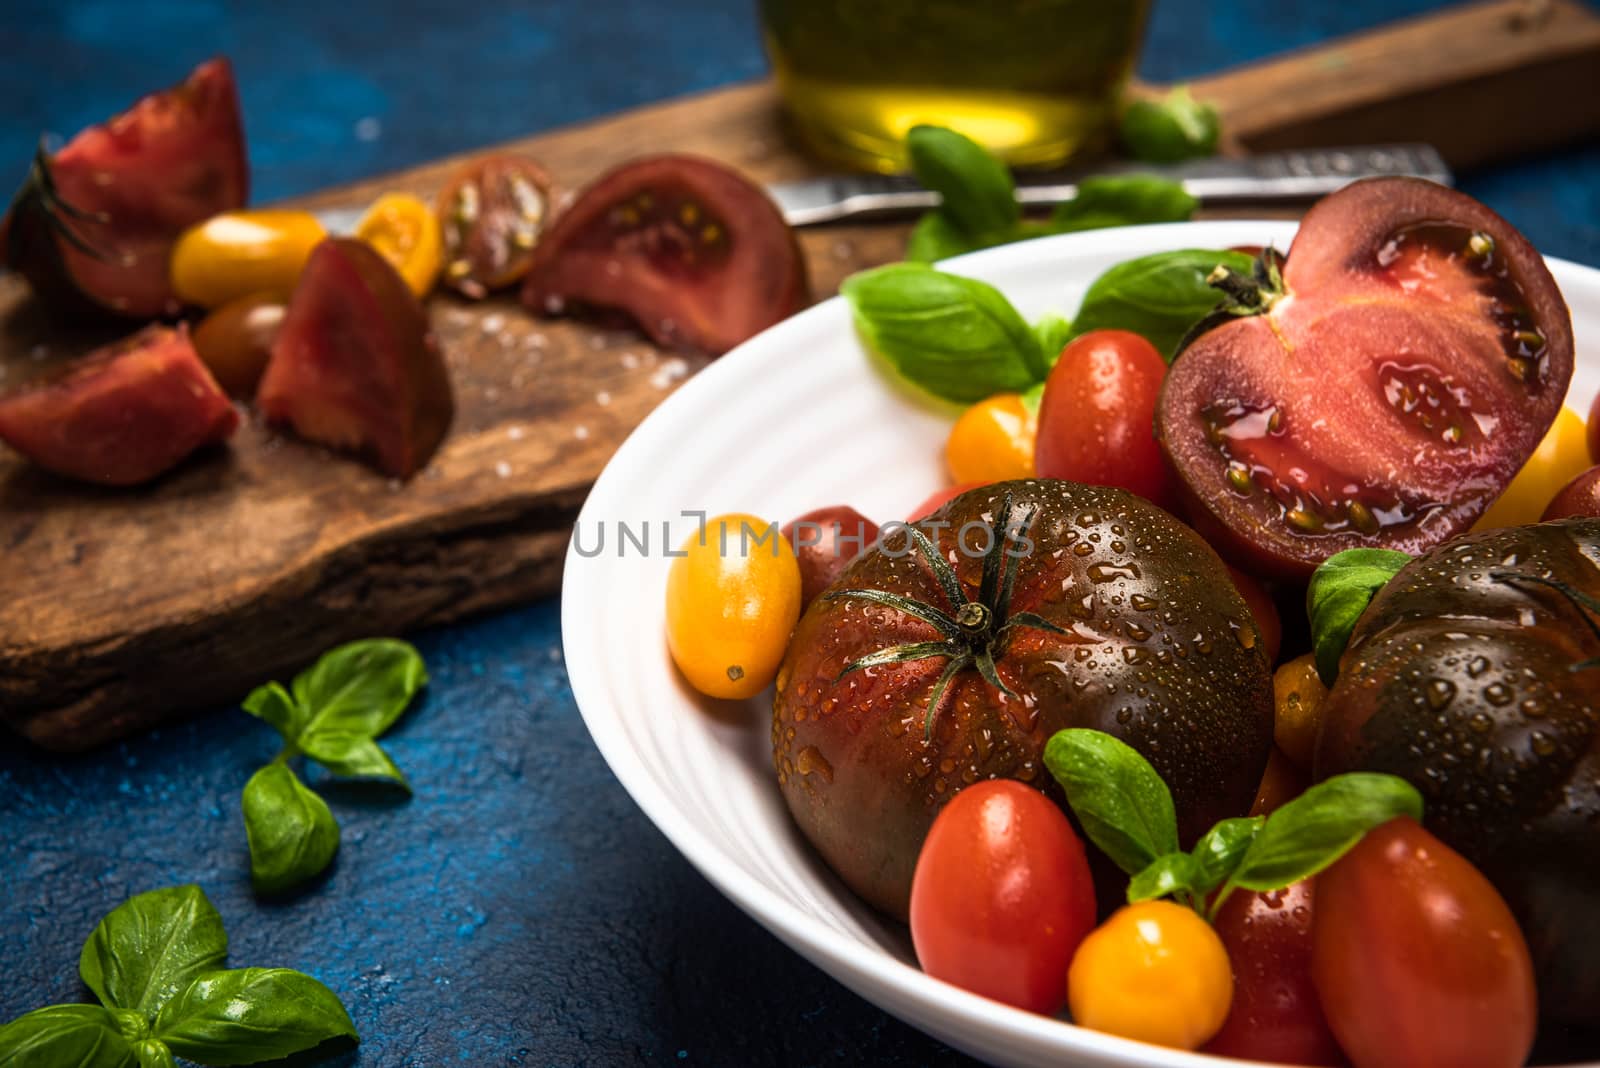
(122, 607)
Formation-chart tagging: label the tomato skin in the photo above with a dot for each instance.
(1560, 457)
(731, 603)
(1297, 697)
(1097, 412)
(1280, 783)
(939, 498)
(993, 441)
(1593, 425)
(1002, 896)
(1276, 1015)
(235, 341)
(1580, 497)
(492, 215)
(406, 232)
(1155, 971)
(1262, 608)
(239, 253)
(1417, 960)
(825, 540)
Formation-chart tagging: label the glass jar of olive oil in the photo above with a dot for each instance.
(1033, 80)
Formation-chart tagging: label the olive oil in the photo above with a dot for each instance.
(1032, 80)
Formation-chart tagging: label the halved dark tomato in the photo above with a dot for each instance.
(492, 214)
(698, 255)
(1382, 389)
(98, 219)
(123, 414)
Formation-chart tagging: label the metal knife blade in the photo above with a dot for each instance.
(1303, 174)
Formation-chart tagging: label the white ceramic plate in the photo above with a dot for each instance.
(794, 419)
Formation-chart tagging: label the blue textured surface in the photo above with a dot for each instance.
(520, 910)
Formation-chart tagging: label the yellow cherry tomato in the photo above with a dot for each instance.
(405, 231)
(1154, 971)
(1297, 693)
(1562, 456)
(732, 600)
(239, 253)
(993, 440)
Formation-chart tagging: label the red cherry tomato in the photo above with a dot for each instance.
(1002, 896)
(825, 540)
(939, 498)
(1580, 497)
(1275, 1015)
(694, 251)
(1416, 958)
(1097, 412)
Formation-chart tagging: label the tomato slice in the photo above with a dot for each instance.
(1413, 356)
(99, 218)
(492, 214)
(698, 255)
(123, 414)
(406, 232)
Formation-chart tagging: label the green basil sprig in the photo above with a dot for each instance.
(978, 199)
(956, 337)
(1159, 296)
(333, 713)
(1126, 810)
(1341, 588)
(1176, 127)
(155, 963)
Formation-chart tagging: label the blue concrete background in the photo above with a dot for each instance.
(520, 910)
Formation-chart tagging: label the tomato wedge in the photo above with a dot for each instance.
(97, 220)
(1381, 390)
(492, 214)
(695, 252)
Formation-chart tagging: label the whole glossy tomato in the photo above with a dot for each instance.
(235, 341)
(992, 441)
(694, 251)
(1380, 388)
(96, 221)
(243, 253)
(732, 599)
(1097, 412)
(1416, 959)
(936, 663)
(1580, 497)
(1562, 455)
(1002, 896)
(1463, 676)
(825, 540)
(1276, 1015)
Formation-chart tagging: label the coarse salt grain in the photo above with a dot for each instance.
(580, 432)
(502, 469)
(493, 324)
(517, 433)
(602, 398)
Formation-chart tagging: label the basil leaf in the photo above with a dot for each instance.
(1032, 397)
(361, 687)
(1123, 201)
(1174, 128)
(1221, 848)
(154, 1053)
(935, 237)
(1317, 828)
(150, 947)
(1341, 588)
(955, 337)
(355, 755)
(1169, 874)
(1159, 296)
(273, 704)
(1120, 801)
(1053, 332)
(249, 1015)
(65, 1036)
(977, 193)
(292, 834)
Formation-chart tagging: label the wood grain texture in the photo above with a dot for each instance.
(122, 608)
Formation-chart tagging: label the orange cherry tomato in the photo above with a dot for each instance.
(240, 253)
(733, 598)
(1297, 696)
(1002, 896)
(1416, 958)
(1155, 971)
(1560, 457)
(993, 440)
(406, 232)
(235, 341)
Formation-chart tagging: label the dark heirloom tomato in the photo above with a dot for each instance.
(1405, 364)
(98, 219)
(1462, 676)
(1115, 616)
(692, 250)
(123, 414)
(491, 215)
(354, 365)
